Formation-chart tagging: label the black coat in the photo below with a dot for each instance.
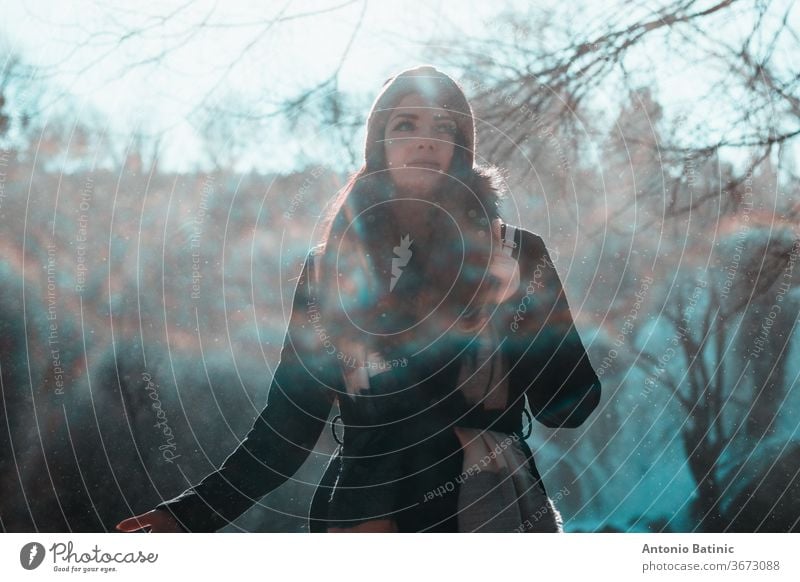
(548, 367)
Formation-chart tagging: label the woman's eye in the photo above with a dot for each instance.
(404, 126)
(447, 128)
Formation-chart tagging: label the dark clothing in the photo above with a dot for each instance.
(390, 470)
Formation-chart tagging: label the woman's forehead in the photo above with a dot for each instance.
(415, 104)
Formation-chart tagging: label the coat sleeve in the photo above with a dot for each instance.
(549, 358)
(281, 438)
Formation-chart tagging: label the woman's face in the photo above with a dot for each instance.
(419, 145)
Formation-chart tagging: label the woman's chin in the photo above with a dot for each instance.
(420, 187)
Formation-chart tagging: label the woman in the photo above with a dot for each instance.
(431, 322)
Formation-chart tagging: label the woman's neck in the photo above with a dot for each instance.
(412, 219)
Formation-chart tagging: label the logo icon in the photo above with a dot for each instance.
(401, 260)
(31, 555)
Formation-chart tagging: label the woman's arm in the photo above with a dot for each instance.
(549, 358)
(282, 436)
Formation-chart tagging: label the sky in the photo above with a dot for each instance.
(79, 41)
(177, 56)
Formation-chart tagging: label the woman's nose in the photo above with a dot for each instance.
(426, 142)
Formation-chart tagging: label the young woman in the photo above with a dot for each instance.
(431, 322)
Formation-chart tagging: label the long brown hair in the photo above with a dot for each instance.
(440, 287)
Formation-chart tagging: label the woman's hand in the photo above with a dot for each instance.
(155, 521)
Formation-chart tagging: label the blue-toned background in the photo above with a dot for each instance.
(163, 170)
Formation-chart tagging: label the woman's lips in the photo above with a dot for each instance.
(421, 164)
